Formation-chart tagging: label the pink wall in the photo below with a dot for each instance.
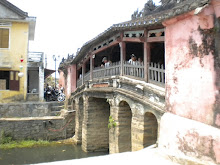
(182, 137)
(71, 80)
(61, 79)
(190, 73)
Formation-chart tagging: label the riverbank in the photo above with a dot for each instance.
(7, 143)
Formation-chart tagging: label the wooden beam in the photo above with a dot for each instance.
(105, 47)
(135, 39)
(155, 39)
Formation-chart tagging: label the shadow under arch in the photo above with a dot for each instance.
(124, 125)
(150, 129)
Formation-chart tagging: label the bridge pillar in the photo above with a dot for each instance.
(95, 133)
(79, 106)
(114, 131)
(137, 132)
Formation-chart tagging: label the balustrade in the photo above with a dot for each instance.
(156, 72)
(87, 76)
(111, 70)
(136, 69)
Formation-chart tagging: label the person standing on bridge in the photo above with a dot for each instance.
(105, 62)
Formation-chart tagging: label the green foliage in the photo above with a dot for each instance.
(4, 139)
(111, 123)
(25, 144)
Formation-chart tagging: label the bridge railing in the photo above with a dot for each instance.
(111, 70)
(156, 74)
(79, 82)
(87, 76)
(135, 70)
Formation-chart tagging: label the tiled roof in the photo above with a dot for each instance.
(14, 8)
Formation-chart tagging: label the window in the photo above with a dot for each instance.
(9, 80)
(4, 38)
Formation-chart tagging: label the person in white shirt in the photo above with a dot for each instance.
(105, 62)
(133, 60)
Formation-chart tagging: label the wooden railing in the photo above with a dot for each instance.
(135, 70)
(111, 70)
(156, 74)
(79, 82)
(87, 76)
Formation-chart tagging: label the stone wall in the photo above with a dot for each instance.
(46, 128)
(33, 109)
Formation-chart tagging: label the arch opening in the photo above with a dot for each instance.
(124, 124)
(150, 129)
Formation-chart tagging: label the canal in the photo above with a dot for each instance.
(44, 154)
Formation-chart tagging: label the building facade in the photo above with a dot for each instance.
(16, 29)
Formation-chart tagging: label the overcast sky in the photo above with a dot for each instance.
(63, 26)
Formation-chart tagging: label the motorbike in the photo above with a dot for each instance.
(54, 95)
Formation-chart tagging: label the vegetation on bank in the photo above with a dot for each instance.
(6, 142)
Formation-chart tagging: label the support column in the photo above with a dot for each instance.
(122, 56)
(95, 133)
(137, 132)
(91, 66)
(79, 106)
(73, 77)
(146, 56)
(83, 71)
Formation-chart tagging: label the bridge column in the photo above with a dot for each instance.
(79, 106)
(114, 131)
(122, 56)
(95, 133)
(137, 130)
(146, 55)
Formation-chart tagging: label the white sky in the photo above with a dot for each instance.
(63, 26)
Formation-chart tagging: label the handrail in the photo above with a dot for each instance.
(79, 82)
(136, 69)
(156, 73)
(87, 76)
(111, 70)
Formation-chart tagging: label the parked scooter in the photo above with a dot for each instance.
(54, 94)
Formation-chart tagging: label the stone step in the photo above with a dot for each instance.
(56, 108)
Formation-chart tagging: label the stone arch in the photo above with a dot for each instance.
(150, 129)
(124, 125)
(95, 125)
